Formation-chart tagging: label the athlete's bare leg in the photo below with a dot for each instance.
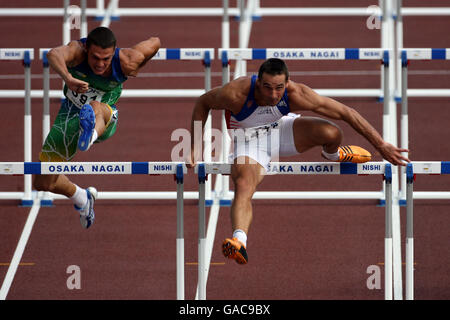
(310, 132)
(246, 177)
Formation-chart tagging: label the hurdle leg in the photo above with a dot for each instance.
(100, 9)
(201, 234)
(180, 233)
(225, 25)
(66, 23)
(389, 119)
(225, 196)
(409, 234)
(208, 127)
(388, 235)
(46, 198)
(385, 86)
(404, 117)
(27, 198)
(84, 24)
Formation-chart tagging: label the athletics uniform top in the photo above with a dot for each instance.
(253, 115)
(62, 140)
(266, 131)
(102, 89)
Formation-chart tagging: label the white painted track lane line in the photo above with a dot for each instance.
(20, 248)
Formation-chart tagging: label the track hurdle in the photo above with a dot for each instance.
(406, 55)
(301, 168)
(178, 170)
(315, 54)
(413, 168)
(26, 55)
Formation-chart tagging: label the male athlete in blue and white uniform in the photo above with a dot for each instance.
(265, 108)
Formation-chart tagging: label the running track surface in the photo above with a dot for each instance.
(302, 249)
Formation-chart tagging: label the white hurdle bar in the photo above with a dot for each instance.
(301, 168)
(217, 11)
(108, 168)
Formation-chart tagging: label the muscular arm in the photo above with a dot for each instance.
(303, 98)
(133, 59)
(65, 56)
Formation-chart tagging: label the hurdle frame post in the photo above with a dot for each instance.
(46, 199)
(207, 135)
(225, 186)
(66, 23)
(388, 234)
(27, 197)
(225, 25)
(398, 27)
(390, 130)
(404, 120)
(202, 177)
(386, 96)
(241, 65)
(179, 178)
(84, 23)
(46, 96)
(100, 8)
(409, 245)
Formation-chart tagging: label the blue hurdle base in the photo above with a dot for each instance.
(401, 203)
(209, 203)
(26, 203)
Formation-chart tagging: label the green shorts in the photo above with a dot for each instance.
(62, 140)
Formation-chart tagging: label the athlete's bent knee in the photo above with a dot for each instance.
(332, 133)
(243, 187)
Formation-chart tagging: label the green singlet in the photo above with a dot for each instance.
(62, 140)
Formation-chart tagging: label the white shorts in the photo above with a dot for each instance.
(265, 144)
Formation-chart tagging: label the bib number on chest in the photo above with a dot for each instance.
(80, 99)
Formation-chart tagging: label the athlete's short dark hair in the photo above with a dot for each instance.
(273, 66)
(102, 37)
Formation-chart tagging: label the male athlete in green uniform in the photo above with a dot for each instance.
(93, 70)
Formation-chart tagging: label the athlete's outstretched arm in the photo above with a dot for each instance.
(304, 98)
(133, 59)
